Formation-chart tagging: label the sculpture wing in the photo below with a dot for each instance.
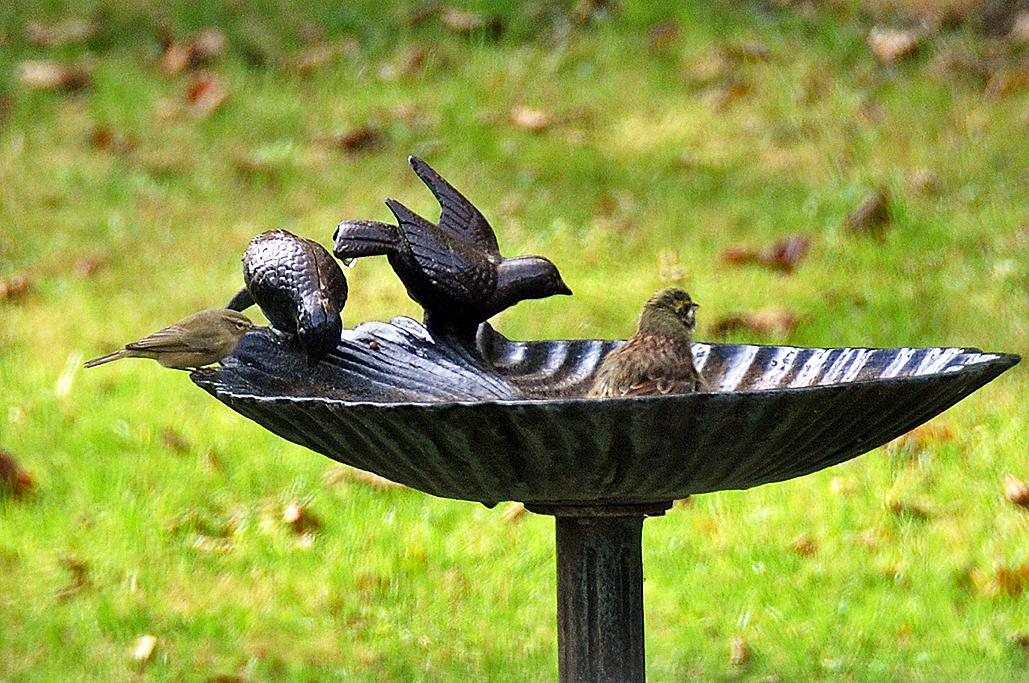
(461, 276)
(459, 217)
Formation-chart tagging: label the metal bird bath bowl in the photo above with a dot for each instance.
(429, 414)
(492, 419)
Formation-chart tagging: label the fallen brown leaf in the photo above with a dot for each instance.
(407, 64)
(463, 22)
(784, 255)
(890, 45)
(14, 287)
(804, 545)
(1005, 580)
(872, 214)
(912, 510)
(1016, 490)
(203, 49)
(766, 321)
(739, 652)
(206, 93)
(360, 139)
(339, 474)
(321, 55)
(299, 519)
(106, 138)
(69, 31)
(14, 481)
(78, 572)
(513, 512)
(531, 119)
(173, 440)
(143, 650)
(53, 77)
(724, 96)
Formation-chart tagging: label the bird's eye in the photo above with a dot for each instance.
(240, 325)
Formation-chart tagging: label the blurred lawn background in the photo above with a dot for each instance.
(634, 145)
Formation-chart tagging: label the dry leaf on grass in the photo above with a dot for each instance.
(174, 440)
(767, 322)
(360, 139)
(206, 93)
(784, 255)
(143, 650)
(513, 512)
(78, 572)
(739, 652)
(910, 509)
(1016, 491)
(1008, 81)
(463, 22)
(204, 48)
(14, 287)
(108, 139)
(1006, 580)
(804, 545)
(14, 481)
(69, 31)
(890, 45)
(748, 51)
(872, 214)
(299, 519)
(322, 54)
(50, 76)
(532, 119)
(407, 64)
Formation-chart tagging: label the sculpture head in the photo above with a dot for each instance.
(319, 327)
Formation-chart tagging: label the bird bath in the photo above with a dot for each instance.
(477, 417)
(435, 416)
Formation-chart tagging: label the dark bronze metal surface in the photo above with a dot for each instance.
(427, 413)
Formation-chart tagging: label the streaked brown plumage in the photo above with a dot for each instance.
(195, 341)
(657, 360)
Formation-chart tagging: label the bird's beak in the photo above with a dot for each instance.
(564, 290)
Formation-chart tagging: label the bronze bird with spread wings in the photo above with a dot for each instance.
(454, 269)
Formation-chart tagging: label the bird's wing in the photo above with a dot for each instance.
(459, 217)
(647, 366)
(330, 281)
(460, 275)
(172, 339)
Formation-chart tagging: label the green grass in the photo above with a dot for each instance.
(401, 586)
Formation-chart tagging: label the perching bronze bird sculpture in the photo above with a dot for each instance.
(195, 341)
(454, 269)
(658, 359)
(299, 287)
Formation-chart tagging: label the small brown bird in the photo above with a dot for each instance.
(658, 359)
(195, 341)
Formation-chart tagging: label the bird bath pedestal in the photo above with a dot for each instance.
(506, 421)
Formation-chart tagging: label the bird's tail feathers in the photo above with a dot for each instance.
(354, 239)
(117, 355)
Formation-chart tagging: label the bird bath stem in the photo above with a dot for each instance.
(600, 591)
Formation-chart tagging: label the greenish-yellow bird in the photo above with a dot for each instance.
(658, 359)
(195, 341)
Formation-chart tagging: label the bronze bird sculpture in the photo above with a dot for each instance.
(658, 359)
(299, 287)
(195, 341)
(454, 269)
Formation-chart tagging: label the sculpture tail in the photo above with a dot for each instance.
(117, 355)
(354, 239)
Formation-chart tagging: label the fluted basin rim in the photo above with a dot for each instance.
(1000, 360)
